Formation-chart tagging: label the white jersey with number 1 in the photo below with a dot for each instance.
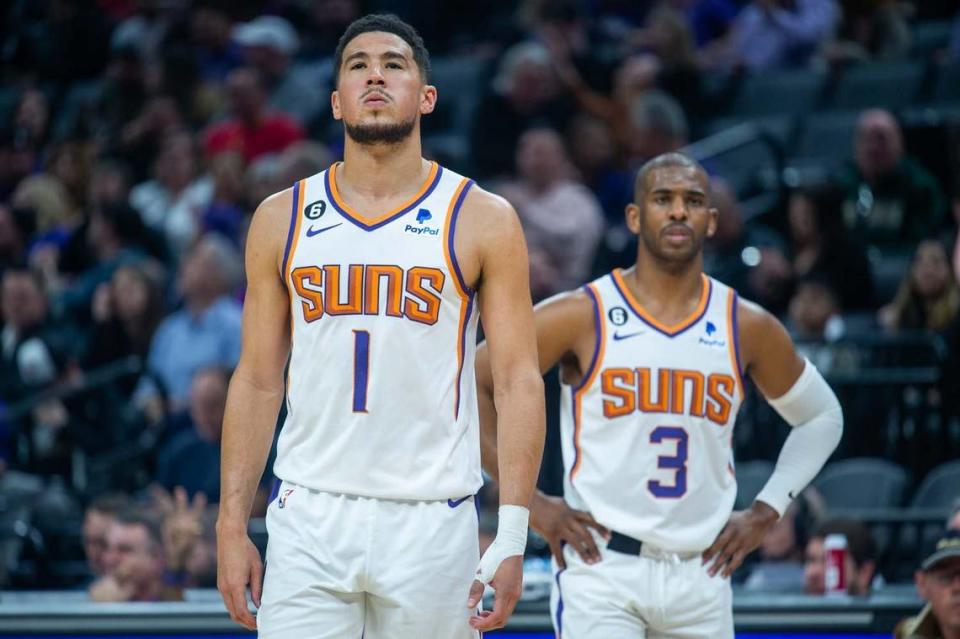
(381, 392)
(647, 435)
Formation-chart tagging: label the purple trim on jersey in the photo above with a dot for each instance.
(450, 233)
(463, 352)
(275, 490)
(559, 618)
(736, 333)
(361, 368)
(683, 330)
(596, 340)
(400, 213)
(294, 211)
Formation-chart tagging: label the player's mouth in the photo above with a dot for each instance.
(677, 233)
(376, 99)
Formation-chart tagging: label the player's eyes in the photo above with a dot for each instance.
(357, 65)
(394, 65)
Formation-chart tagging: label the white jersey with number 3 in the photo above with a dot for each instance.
(647, 433)
(381, 394)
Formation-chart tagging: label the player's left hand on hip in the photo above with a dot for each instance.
(507, 584)
(743, 533)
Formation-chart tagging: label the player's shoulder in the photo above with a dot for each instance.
(271, 222)
(488, 206)
(753, 318)
(575, 310)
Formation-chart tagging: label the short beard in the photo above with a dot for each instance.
(386, 134)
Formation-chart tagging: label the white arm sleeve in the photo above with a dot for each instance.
(814, 412)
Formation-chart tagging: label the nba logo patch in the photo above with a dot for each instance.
(283, 497)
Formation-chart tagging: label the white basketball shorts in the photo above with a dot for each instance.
(350, 567)
(656, 595)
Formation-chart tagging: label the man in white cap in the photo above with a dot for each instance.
(269, 45)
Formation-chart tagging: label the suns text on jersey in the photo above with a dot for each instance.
(412, 293)
(679, 392)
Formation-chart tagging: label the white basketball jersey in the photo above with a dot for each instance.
(381, 393)
(646, 436)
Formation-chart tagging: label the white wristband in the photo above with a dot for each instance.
(511, 540)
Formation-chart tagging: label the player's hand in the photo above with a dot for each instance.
(239, 565)
(743, 533)
(507, 584)
(558, 523)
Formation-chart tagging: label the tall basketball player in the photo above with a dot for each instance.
(652, 360)
(371, 276)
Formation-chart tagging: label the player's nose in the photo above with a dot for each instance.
(376, 75)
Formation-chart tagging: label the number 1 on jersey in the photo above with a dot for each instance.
(361, 368)
(676, 463)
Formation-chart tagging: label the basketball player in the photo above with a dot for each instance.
(652, 360)
(371, 276)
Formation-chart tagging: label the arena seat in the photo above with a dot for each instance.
(892, 85)
(862, 482)
(782, 93)
(940, 488)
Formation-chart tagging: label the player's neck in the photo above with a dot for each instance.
(657, 285)
(381, 171)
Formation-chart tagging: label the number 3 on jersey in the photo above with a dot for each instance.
(676, 463)
(361, 369)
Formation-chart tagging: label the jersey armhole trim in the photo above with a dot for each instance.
(599, 335)
(293, 234)
(449, 249)
(589, 375)
(733, 340)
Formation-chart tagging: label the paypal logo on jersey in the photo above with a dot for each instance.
(710, 329)
(423, 215)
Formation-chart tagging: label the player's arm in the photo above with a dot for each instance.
(564, 327)
(253, 402)
(503, 289)
(797, 391)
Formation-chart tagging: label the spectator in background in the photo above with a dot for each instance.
(953, 521)
(594, 152)
(17, 226)
(33, 353)
(126, 311)
(657, 124)
(777, 34)
(206, 331)
(142, 138)
(781, 552)
(870, 30)
(100, 515)
(213, 49)
(263, 179)
(861, 566)
(252, 130)
(891, 200)
(820, 244)
(134, 563)
(938, 582)
(17, 161)
(226, 212)
(525, 94)
(189, 542)
(109, 184)
(561, 218)
(191, 459)
(31, 121)
(120, 97)
(269, 44)
(301, 160)
(815, 310)
(171, 203)
(735, 247)
(56, 212)
(928, 298)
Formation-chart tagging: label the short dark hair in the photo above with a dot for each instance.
(663, 161)
(388, 23)
(860, 541)
(110, 504)
(136, 516)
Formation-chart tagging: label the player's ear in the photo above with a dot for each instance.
(712, 222)
(335, 105)
(632, 216)
(428, 99)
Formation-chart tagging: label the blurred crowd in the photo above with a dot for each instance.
(138, 136)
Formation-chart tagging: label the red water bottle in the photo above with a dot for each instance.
(835, 569)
